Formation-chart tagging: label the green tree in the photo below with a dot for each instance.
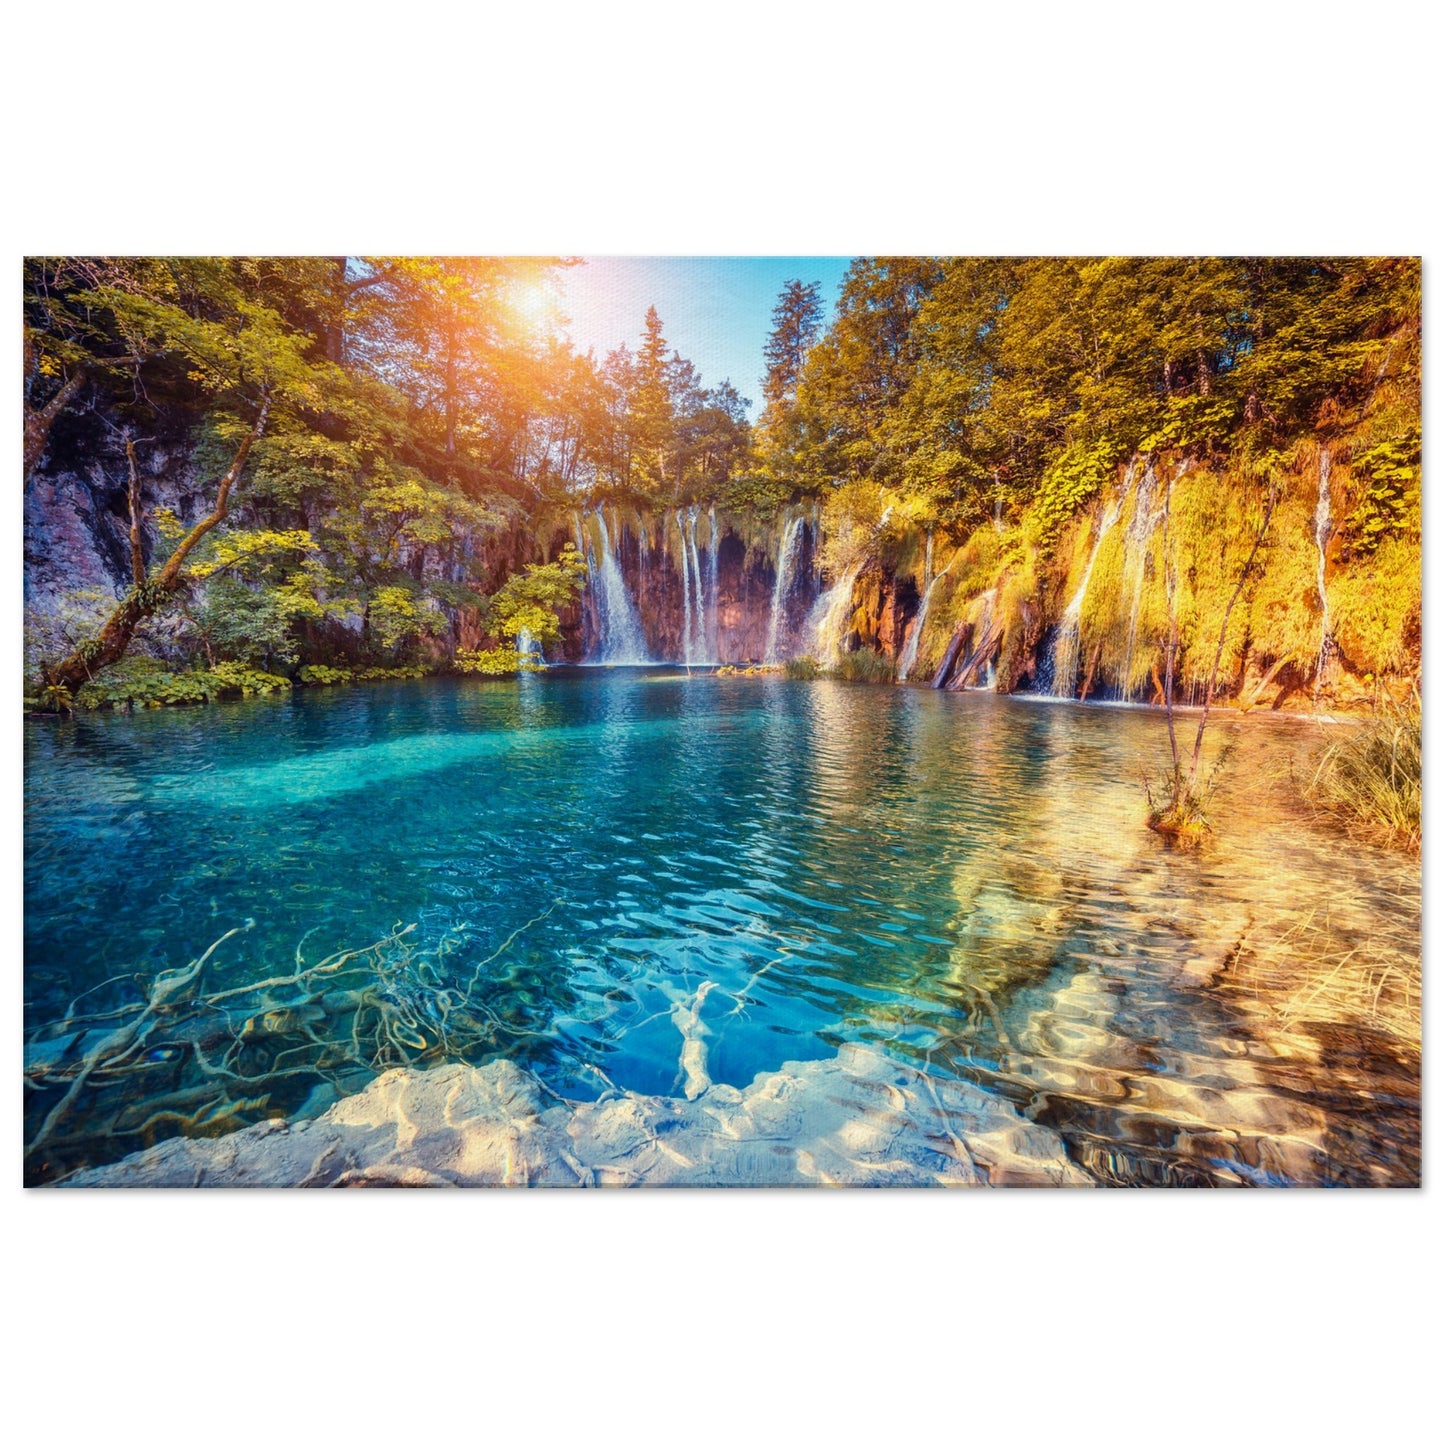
(651, 410)
(215, 328)
(528, 601)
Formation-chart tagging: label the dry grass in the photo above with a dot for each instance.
(1314, 973)
(1369, 781)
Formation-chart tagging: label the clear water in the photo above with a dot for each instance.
(960, 878)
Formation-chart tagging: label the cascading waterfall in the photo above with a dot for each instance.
(530, 648)
(694, 600)
(788, 547)
(1066, 649)
(1136, 549)
(1322, 536)
(700, 652)
(621, 639)
(828, 621)
(909, 655)
(686, 588)
(712, 583)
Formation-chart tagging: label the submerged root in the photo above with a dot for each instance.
(194, 1062)
(692, 1062)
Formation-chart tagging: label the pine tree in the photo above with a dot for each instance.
(652, 411)
(797, 319)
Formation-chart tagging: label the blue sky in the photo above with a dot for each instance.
(716, 310)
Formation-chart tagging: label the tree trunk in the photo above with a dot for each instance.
(137, 557)
(1257, 691)
(335, 323)
(146, 597)
(1224, 630)
(450, 398)
(38, 423)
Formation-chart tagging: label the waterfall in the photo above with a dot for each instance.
(697, 649)
(530, 649)
(1066, 649)
(712, 584)
(1322, 535)
(828, 621)
(788, 545)
(686, 590)
(620, 635)
(694, 601)
(1136, 547)
(909, 656)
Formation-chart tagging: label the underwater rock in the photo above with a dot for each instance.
(861, 1118)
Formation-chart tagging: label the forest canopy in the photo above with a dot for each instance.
(368, 437)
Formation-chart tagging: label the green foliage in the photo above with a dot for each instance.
(1390, 501)
(413, 401)
(241, 551)
(51, 698)
(864, 665)
(758, 489)
(529, 601)
(854, 517)
(235, 677)
(72, 617)
(1376, 610)
(495, 662)
(146, 682)
(1074, 478)
(399, 614)
(318, 674)
(241, 623)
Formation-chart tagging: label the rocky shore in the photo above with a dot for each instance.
(860, 1118)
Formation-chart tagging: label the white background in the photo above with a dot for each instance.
(763, 128)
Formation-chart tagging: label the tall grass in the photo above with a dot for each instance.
(861, 666)
(865, 666)
(1370, 780)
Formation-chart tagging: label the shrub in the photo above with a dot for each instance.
(144, 682)
(318, 674)
(495, 662)
(227, 678)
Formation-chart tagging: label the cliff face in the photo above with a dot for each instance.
(77, 508)
(1084, 613)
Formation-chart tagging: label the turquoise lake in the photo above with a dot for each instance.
(962, 879)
